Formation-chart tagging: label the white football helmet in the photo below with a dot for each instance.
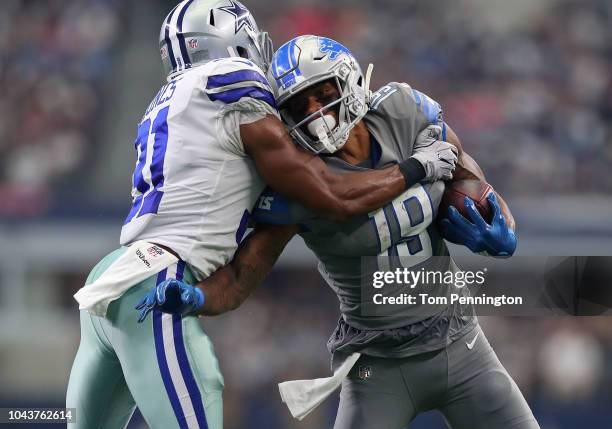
(306, 61)
(197, 31)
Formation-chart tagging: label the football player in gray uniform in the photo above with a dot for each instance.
(411, 360)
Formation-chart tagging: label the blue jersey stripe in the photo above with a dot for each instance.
(430, 108)
(234, 95)
(181, 35)
(160, 128)
(141, 141)
(219, 80)
(135, 208)
(151, 202)
(167, 38)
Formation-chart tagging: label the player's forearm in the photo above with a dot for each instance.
(227, 288)
(222, 292)
(360, 193)
(305, 178)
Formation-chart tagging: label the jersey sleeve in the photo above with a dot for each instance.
(274, 209)
(245, 97)
(408, 107)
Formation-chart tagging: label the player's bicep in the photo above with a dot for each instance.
(467, 168)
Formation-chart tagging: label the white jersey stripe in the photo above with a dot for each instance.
(243, 84)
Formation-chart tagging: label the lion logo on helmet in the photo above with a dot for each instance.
(332, 48)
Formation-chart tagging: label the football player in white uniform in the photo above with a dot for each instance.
(205, 146)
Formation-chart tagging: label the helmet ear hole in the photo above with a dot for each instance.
(242, 52)
(211, 18)
(360, 81)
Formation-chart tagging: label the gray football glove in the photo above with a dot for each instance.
(437, 157)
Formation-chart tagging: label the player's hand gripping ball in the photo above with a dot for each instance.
(171, 296)
(480, 225)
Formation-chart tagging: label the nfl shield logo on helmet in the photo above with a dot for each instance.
(365, 372)
(193, 43)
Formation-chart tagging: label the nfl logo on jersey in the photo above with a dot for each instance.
(154, 251)
(365, 372)
(193, 43)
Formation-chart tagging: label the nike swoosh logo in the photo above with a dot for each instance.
(470, 345)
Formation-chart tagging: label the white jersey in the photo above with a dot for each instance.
(194, 185)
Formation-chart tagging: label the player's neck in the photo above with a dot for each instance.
(357, 147)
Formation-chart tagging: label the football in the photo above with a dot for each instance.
(455, 193)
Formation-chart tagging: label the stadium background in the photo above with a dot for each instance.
(526, 85)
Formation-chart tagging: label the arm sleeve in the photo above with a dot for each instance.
(274, 209)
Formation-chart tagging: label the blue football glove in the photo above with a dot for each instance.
(495, 239)
(171, 296)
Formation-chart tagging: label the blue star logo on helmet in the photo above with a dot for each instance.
(241, 14)
(332, 48)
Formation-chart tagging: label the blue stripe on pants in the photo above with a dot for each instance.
(163, 363)
(194, 395)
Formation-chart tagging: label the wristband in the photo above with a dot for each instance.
(412, 170)
(200, 298)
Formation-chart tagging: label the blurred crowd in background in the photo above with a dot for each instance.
(526, 85)
(532, 100)
(55, 58)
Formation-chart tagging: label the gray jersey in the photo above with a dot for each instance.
(403, 228)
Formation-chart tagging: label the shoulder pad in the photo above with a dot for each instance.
(226, 65)
(400, 101)
(230, 79)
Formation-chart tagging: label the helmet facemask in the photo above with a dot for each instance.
(350, 106)
(260, 50)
